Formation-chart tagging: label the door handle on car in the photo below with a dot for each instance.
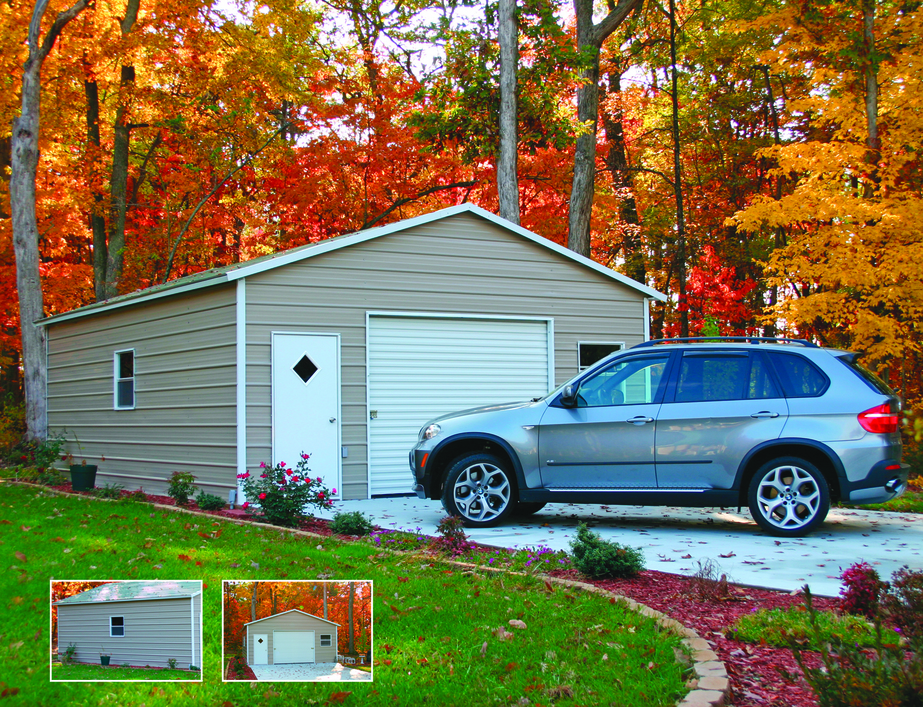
(764, 414)
(640, 420)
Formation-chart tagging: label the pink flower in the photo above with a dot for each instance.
(282, 482)
(281, 465)
(295, 479)
(320, 495)
(319, 479)
(262, 496)
(246, 505)
(245, 475)
(305, 456)
(334, 491)
(262, 465)
(262, 476)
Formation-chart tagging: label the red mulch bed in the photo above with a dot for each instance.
(760, 675)
(239, 670)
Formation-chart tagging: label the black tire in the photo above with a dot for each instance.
(524, 509)
(788, 497)
(480, 489)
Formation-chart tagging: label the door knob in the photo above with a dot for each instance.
(333, 419)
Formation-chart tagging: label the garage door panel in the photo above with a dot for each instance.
(292, 647)
(423, 367)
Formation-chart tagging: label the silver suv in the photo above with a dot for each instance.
(780, 425)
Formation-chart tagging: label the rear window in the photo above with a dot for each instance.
(873, 381)
(799, 377)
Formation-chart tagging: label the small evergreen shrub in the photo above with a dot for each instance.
(281, 494)
(67, 657)
(171, 662)
(862, 590)
(352, 523)
(110, 491)
(601, 559)
(182, 486)
(904, 602)
(137, 495)
(452, 538)
(886, 675)
(209, 502)
(781, 627)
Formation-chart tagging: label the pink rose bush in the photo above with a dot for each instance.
(285, 493)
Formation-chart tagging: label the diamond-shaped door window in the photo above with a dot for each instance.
(305, 368)
(259, 640)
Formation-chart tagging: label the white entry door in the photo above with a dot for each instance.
(260, 648)
(306, 403)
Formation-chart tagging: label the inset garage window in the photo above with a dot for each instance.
(116, 625)
(589, 352)
(125, 380)
(326, 639)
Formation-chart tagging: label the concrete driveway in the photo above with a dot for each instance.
(308, 672)
(675, 539)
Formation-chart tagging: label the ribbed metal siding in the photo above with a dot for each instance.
(185, 391)
(420, 368)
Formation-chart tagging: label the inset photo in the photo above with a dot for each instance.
(302, 631)
(105, 631)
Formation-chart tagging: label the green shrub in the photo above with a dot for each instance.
(886, 675)
(600, 558)
(40, 454)
(352, 523)
(137, 495)
(182, 486)
(12, 427)
(67, 657)
(209, 502)
(282, 494)
(780, 627)
(172, 662)
(109, 491)
(862, 589)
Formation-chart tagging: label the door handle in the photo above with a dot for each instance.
(764, 414)
(640, 420)
(333, 419)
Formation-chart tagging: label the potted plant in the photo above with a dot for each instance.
(83, 475)
(104, 657)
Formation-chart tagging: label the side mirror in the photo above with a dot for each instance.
(569, 396)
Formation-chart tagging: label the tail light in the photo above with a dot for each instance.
(880, 420)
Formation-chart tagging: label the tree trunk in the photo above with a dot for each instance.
(118, 183)
(352, 629)
(590, 38)
(507, 160)
(680, 254)
(97, 217)
(24, 162)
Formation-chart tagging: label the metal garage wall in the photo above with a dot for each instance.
(420, 367)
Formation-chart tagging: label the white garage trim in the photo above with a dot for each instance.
(293, 647)
(413, 360)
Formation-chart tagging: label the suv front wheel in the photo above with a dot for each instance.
(789, 497)
(480, 489)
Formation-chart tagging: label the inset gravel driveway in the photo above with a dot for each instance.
(308, 672)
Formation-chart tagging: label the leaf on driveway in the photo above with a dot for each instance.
(730, 554)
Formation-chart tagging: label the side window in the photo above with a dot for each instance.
(712, 377)
(326, 639)
(761, 383)
(116, 625)
(589, 352)
(626, 382)
(124, 380)
(800, 378)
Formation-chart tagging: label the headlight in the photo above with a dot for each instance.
(431, 431)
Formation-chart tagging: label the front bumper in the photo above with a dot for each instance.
(422, 480)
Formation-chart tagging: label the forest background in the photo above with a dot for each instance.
(756, 160)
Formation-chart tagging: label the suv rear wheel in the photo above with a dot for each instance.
(789, 497)
(480, 489)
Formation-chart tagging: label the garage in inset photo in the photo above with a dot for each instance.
(340, 349)
(292, 636)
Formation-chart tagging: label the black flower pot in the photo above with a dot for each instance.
(103, 659)
(83, 477)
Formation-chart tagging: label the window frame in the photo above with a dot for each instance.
(117, 635)
(581, 368)
(329, 637)
(117, 379)
(782, 378)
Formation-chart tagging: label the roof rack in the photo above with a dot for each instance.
(746, 339)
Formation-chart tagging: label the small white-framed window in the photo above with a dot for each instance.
(326, 639)
(116, 626)
(124, 377)
(589, 352)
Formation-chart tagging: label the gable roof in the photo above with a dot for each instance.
(236, 271)
(283, 613)
(134, 591)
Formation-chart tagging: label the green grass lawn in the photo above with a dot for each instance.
(81, 671)
(441, 634)
(911, 501)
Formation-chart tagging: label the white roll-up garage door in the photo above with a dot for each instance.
(292, 647)
(423, 367)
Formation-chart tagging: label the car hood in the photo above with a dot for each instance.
(485, 409)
